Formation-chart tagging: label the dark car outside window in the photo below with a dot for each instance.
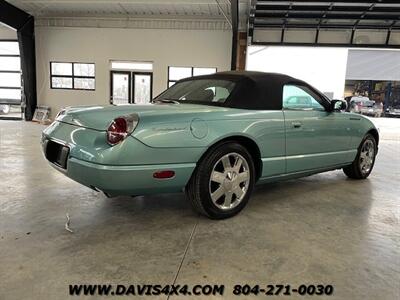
(202, 91)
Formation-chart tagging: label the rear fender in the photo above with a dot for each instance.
(91, 146)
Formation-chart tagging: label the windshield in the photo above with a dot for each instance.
(199, 91)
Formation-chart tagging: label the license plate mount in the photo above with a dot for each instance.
(57, 153)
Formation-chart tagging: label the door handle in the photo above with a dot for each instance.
(296, 124)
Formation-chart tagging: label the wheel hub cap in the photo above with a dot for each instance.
(229, 181)
(367, 156)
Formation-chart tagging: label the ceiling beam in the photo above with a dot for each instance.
(223, 13)
(12, 16)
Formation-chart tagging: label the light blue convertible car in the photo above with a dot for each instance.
(214, 137)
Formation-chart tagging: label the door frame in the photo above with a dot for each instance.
(112, 72)
(133, 73)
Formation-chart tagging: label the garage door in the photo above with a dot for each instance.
(373, 65)
(10, 80)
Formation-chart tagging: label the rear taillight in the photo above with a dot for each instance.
(120, 128)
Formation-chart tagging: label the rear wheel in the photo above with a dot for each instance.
(364, 162)
(222, 182)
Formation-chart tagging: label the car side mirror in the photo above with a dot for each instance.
(338, 105)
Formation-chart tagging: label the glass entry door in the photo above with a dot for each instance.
(120, 87)
(131, 87)
(142, 87)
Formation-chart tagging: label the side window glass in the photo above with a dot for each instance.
(220, 94)
(295, 97)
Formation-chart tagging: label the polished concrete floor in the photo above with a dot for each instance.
(320, 229)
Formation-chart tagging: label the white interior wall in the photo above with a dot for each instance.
(324, 68)
(202, 48)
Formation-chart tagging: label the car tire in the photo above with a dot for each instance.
(225, 173)
(364, 162)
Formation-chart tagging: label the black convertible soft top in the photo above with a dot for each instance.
(258, 90)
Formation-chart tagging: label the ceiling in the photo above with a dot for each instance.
(374, 23)
(201, 9)
(348, 23)
(179, 14)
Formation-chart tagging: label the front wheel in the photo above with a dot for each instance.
(364, 162)
(222, 182)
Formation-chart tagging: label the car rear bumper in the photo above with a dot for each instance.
(125, 169)
(125, 180)
(392, 114)
(128, 180)
(371, 112)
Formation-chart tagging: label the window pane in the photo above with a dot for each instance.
(84, 69)
(203, 71)
(10, 80)
(297, 98)
(121, 87)
(131, 65)
(10, 94)
(84, 83)
(9, 48)
(61, 82)
(220, 94)
(142, 89)
(200, 91)
(10, 64)
(177, 73)
(11, 109)
(171, 83)
(61, 68)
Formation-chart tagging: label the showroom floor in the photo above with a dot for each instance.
(321, 229)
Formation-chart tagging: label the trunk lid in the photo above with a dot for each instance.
(100, 117)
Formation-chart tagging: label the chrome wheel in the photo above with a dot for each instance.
(229, 181)
(367, 156)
